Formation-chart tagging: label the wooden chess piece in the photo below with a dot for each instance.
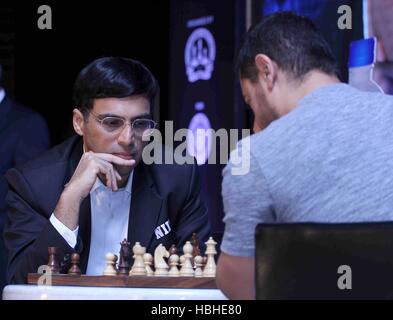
(172, 250)
(148, 261)
(204, 261)
(110, 269)
(75, 270)
(53, 263)
(125, 258)
(173, 263)
(210, 268)
(138, 268)
(187, 269)
(159, 263)
(181, 260)
(198, 266)
(195, 246)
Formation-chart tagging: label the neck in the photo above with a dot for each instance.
(123, 182)
(312, 81)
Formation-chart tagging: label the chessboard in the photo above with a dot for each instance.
(126, 281)
(190, 270)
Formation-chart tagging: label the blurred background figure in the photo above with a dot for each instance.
(23, 135)
(380, 25)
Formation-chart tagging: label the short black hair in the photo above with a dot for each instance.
(291, 41)
(113, 77)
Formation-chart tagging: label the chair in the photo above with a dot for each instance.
(301, 261)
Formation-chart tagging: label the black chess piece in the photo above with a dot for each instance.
(125, 257)
(75, 270)
(172, 250)
(53, 262)
(195, 246)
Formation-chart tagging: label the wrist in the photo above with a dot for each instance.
(71, 195)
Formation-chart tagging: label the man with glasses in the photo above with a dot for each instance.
(94, 190)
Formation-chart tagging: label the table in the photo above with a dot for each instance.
(82, 287)
(34, 292)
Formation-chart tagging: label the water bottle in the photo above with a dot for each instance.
(361, 65)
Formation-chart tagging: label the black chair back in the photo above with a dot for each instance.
(324, 261)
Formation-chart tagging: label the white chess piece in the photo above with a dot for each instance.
(198, 266)
(173, 262)
(138, 268)
(187, 269)
(110, 265)
(159, 263)
(148, 260)
(210, 268)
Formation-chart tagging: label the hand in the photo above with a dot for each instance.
(91, 166)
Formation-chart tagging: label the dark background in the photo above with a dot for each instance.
(40, 66)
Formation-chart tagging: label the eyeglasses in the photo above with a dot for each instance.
(140, 127)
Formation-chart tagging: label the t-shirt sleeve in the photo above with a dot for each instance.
(246, 199)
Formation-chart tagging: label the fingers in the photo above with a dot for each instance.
(104, 164)
(108, 170)
(114, 159)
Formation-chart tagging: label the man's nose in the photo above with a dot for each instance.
(126, 135)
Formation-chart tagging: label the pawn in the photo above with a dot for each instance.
(138, 268)
(181, 260)
(195, 246)
(172, 250)
(187, 269)
(110, 264)
(75, 270)
(173, 263)
(53, 262)
(148, 261)
(198, 261)
(204, 261)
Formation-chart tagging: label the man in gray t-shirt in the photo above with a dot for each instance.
(325, 157)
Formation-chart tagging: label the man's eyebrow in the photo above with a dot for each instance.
(141, 116)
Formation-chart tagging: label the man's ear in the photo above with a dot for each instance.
(267, 70)
(78, 121)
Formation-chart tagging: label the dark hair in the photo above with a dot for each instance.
(113, 77)
(291, 41)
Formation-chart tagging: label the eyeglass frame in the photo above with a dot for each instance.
(125, 122)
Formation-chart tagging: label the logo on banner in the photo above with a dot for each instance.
(199, 55)
(199, 138)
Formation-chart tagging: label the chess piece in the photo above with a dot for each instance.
(195, 246)
(138, 268)
(110, 265)
(182, 259)
(172, 250)
(210, 268)
(204, 261)
(198, 266)
(125, 258)
(148, 261)
(187, 269)
(159, 262)
(75, 270)
(53, 263)
(173, 262)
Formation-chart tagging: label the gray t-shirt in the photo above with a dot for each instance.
(329, 160)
